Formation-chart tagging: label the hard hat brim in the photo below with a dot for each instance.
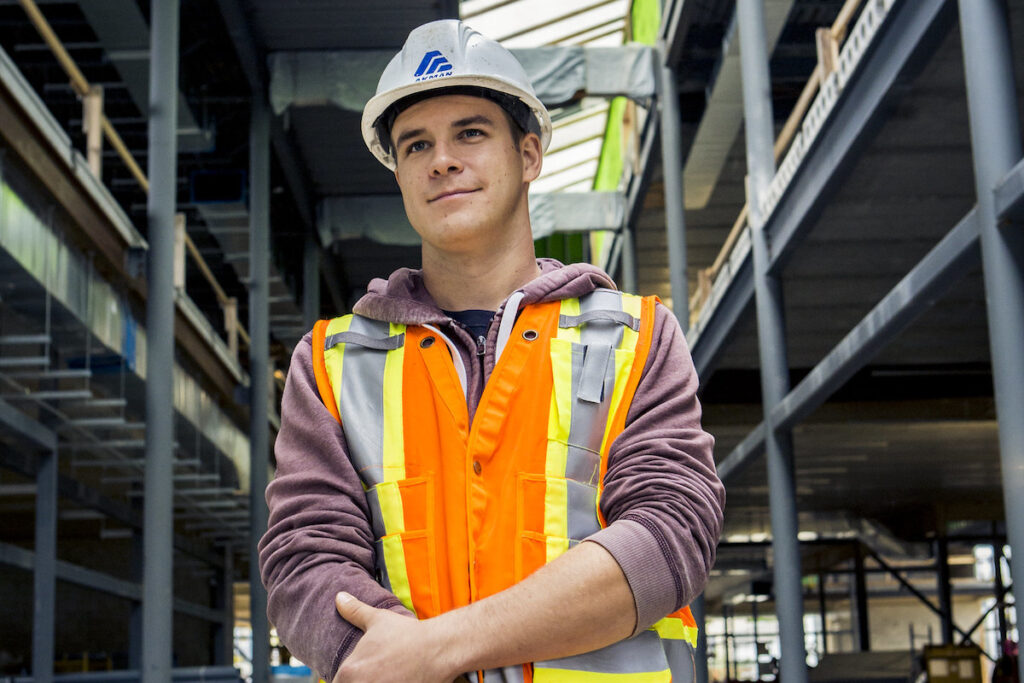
(380, 103)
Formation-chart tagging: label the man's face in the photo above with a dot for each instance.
(462, 178)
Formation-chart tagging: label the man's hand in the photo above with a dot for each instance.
(393, 647)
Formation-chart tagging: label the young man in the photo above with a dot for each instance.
(495, 468)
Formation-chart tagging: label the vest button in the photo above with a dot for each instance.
(476, 467)
(426, 342)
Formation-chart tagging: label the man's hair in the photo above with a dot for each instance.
(520, 119)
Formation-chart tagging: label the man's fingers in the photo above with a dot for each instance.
(352, 610)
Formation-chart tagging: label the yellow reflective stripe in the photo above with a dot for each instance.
(398, 574)
(391, 510)
(674, 629)
(393, 446)
(560, 414)
(623, 365)
(334, 356)
(631, 304)
(556, 516)
(572, 676)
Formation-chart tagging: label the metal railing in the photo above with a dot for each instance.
(828, 41)
(93, 111)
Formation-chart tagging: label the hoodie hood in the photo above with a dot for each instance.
(403, 297)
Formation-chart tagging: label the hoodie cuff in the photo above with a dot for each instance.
(351, 639)
(655, 587)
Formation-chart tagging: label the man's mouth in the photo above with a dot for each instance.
(447, 194)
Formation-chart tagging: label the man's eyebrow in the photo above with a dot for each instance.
(470, 120)
(408, 134)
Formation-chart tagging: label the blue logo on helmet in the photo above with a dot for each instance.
(433, 65)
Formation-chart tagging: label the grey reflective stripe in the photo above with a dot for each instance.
(594, 372)
(386, 344)
(582, 465)
(508, 674)
(621, 317)
(362, 400)
(641, 654)
(586, 428)
(680, 660)
(376, 517)
(582, 516)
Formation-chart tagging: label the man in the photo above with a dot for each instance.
(495, 469)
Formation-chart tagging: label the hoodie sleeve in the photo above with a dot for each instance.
(662, 497)
(318, 540)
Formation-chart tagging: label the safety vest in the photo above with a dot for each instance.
(461, 511)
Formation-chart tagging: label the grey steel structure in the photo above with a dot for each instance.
(158, 532)
(896, 240)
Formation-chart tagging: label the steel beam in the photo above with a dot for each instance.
(672, 172)
(759, 126)
(700, 658)
(996, 144)
(105, 583)
(158, 532)
(1009, 201)
(259, 365)
(26, 428)
(928, 281)
(44, 586)
(311, 281)
(915, 29)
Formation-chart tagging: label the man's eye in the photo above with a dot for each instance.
(417, 146)
(472, 133)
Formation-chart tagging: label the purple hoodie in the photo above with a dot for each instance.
(662, 498)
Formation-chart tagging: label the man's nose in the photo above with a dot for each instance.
(444, 160)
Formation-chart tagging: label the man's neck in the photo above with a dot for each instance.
(461, 282)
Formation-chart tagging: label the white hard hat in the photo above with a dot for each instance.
(449, 54)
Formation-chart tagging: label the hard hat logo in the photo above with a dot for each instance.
(433, 65)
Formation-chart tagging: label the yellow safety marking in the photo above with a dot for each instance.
(560, 415)
(623, 365)
(631, 304)
(398, 574)
(674, 629)
(392, 511)
(570, 307)
(570, 676)
(556, 517)
(334, 357)
(393, 446)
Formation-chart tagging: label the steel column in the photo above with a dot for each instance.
(997, 580)
(44, 578)
(823, 610)
(259, 373)
(861, 596)
(672, 177)
(996, 143)
(700, 659)
(943, 589)
(311, 282)
(758, 118)
(627, 261)
(158, 526)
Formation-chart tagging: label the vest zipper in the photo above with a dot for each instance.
(481, 345)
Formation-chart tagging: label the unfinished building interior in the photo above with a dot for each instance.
(829, 195)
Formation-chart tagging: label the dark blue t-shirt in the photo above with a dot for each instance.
(476, 321)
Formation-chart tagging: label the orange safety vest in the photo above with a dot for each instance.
(461, 511)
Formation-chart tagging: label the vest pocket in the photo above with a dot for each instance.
(542, 529)
(405, 552)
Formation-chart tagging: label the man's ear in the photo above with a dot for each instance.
(532, 155)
